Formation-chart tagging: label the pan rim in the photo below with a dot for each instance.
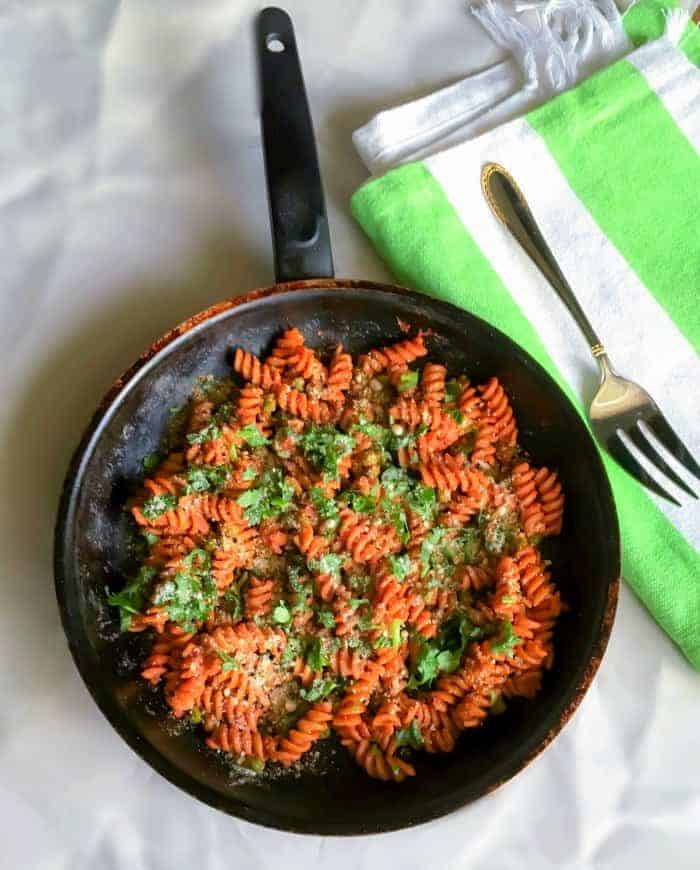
(65, 530)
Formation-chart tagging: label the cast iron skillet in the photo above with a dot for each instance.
(94, 544)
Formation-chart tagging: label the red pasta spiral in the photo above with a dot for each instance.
(251, 369)
(500, 410)
(531, 512)
(250, 403)
(311, 727)
(258, 599)
(552, 500)
(401, 354)
(432, 383)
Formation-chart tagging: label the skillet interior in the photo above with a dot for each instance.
(93, 550)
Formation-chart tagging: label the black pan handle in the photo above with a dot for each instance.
(297, 208)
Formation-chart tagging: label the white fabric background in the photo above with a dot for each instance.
(132, 195)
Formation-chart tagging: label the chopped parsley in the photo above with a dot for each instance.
(320, 689)
(422, 500)
(444, 653)
(326, 508)
(508, 640)
(380, 434)
(252, 436)
(395, 632)
(408, 381)
(250, 473)
(281, 614)
(207, 478)
(358, 602)
(410, 737)
(316, 656)
(452, 391)
(397, 517)
(229, 662)
(191, 595)
(210, 432)
(396, 481)
(331, 563)
(325, 447)
(457, 416)
(292, 651)
(151, 461)
(361, 504)
(272, 498)
(400, 566)
(428, 548)
(132, 597)
(157, 505)
(326, 618)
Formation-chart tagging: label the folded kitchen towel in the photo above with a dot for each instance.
(611, 170)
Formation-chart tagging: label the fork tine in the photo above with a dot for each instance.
(616, 448)
(639, 440)
(660, 426)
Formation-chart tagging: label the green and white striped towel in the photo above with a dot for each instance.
(611, 169)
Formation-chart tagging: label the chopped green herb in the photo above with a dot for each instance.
(422, 500)
(457, 416)
(195, 716)
(320, 689)
(191, 595)
(365, 623)
(410, 737)
(316, 656)
(252, 436)
(209, 433)
(325, 447)
(132, 597)
(361, 504)
(508, 640)
(231, 602)
(408, 381)
(272, 498)
(380, 434)
(396, 481)
(395, 632)
(397, 517)
(157, 505)
(467, 543)
(427, 550)
(509, 599)
(331, 563)
(207, 478)
(326, 508)
(443, 653)
(150, 538)
(381, 642)
(400, 566)
(250, 473)
(326, 618)
(229, 662)
(151, 461)
(452, 391)
(358, 602)
(292, 651)
(281, 614)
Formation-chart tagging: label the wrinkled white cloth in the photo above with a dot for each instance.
(551, 45)
(132, 195)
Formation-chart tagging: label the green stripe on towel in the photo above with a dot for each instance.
(610, 134)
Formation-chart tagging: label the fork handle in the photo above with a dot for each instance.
(510, 207)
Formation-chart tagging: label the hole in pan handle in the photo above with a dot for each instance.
(300, 233)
